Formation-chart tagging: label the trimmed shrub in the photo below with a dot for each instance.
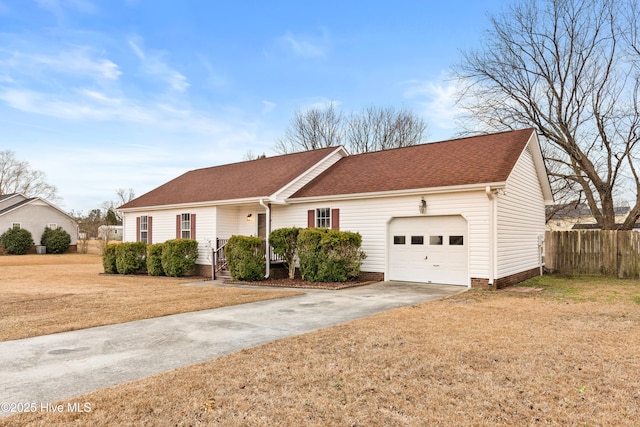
(17, 241)
(131, 257)
(245, 257)
(310, 252)
(179, 257)
(154, 260)
(284, 242)
(329, 255)
(109, 259)
(56, 240)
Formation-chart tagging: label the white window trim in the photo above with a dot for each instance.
(324, 219)
(185, 232)
(144, 229)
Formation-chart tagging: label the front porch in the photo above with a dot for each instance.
(220, 268)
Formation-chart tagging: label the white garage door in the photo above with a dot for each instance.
(429, 250)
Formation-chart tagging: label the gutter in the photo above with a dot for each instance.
(492, 234)
(267, 232)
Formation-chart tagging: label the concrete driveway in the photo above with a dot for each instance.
(61, 366)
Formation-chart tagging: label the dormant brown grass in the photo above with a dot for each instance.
(44, 294)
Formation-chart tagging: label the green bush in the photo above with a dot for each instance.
(17, 241)
(131, 257)
(109, 259)
(179, 257)
(154, 260)
(245, 257)
(329, 255)
(284, 242)
(309, 252)
(56, 240)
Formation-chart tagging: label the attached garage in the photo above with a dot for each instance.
(429, 250)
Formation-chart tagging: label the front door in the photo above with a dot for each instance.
(262, 226)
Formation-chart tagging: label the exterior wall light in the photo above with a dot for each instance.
(422, 207)
(249, 217)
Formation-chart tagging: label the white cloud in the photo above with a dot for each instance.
(78, 62)
(437, 99)
(321, 104)
(99, 96)
(307, 46)
(98, 106)
(153, 64)
(57, 7)
(136, 49)
(267, 107)
(214, 80)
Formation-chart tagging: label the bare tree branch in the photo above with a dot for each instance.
(16, 176)
(571, 69)
(373, 129)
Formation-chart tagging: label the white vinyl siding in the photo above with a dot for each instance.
(164, 228)
(370, 218)
(521, 219)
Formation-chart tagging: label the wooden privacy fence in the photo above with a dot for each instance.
(611, 253)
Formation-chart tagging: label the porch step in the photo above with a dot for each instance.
(223, 274)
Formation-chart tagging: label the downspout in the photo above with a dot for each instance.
(267, 232)
(492, 235)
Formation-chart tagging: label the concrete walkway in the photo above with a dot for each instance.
(61, 366)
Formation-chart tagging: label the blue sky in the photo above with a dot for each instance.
(106, 94)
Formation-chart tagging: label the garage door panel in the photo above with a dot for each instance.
(429, 249)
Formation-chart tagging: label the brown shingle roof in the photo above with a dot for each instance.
(255, 178)
(472, 160)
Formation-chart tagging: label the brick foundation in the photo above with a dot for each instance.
(480, 283)
(371, 276)
(503, 282)
(203, 270)
(279, 271)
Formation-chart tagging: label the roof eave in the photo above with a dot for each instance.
(276, 196)
(34, 199)
(405, 192)
(208, 203)
(541, 169)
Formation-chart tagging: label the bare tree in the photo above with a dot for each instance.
(377, 128)
(312, 129)
(110, 207)
(250, 155)
(566, 68)
(373, 129)
(16, 176)
(125, 196)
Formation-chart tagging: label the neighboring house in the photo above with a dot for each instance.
(579, 217)
(110, 232)
(469, 211)
(34, 214)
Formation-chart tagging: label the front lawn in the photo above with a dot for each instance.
(44, 294)
(565, 356)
